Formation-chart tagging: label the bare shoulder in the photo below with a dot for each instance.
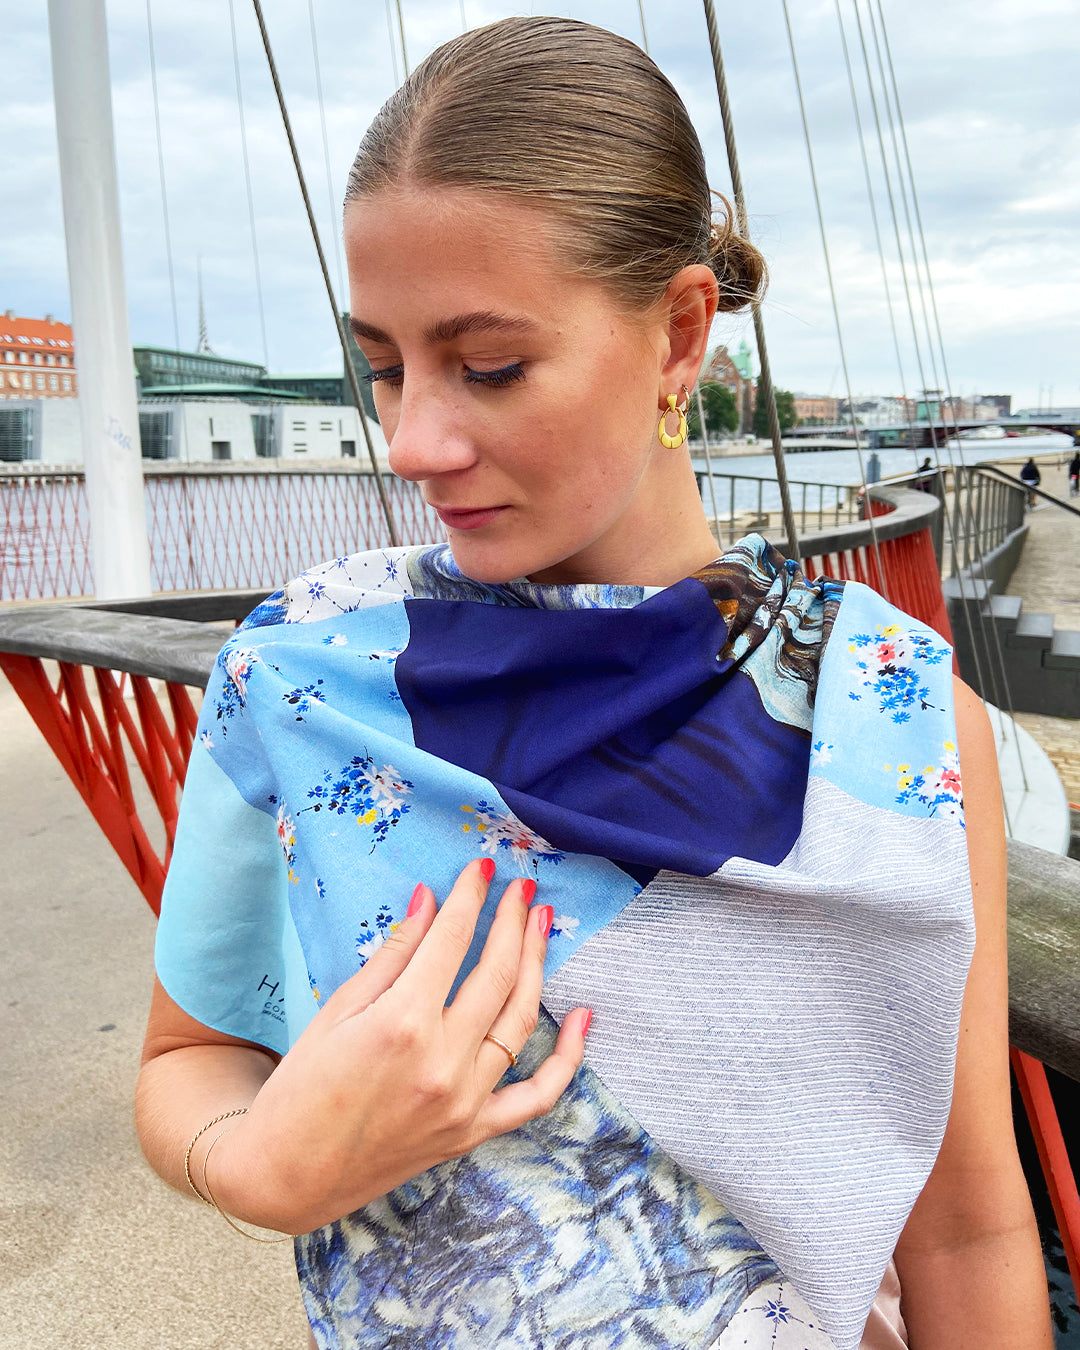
(983, 813)
(974, 731)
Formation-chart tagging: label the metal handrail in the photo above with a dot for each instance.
(1038, 491)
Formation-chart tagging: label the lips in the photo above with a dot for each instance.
(468, 518)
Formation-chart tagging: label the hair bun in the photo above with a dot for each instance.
(739, 268)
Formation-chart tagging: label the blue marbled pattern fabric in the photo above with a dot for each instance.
(573, 1231)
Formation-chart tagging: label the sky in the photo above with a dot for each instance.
(988, 90)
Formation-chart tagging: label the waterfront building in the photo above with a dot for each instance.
(734, 373)
(37, 358)
(193, 430)
(816, 410)
(720, 368)
(164, 370)
(987, 407)
(193, 406)
(1057, 414)
(876, 410)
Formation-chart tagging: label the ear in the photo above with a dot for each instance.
(689, 306)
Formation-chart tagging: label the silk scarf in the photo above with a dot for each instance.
(741, 795)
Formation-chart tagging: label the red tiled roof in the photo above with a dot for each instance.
(35, 334)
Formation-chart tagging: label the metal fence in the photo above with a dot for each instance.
(213, 527)
(738, 502)
(247, 525)
(44, 534)
(982, 512)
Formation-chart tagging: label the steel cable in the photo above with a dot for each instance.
(940, 337)
(835, 305)
(326, 149)
(765, 383)
(350, 369)
(161, 176)
(870, 196)
(247, 186)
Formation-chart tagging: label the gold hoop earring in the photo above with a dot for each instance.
(673, 442)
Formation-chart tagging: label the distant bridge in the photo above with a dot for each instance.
(917, 435)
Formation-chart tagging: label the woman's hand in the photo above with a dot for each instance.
(387, 1081)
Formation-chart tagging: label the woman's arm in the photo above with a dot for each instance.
(969, 1258)
(384, 1083)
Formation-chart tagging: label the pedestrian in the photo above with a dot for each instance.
(1030, 476)
(1074, 473)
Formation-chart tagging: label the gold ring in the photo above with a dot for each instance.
(502, 1046)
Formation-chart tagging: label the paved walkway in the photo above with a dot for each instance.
(1048, 574)
(97, 1253)
(1047, 579)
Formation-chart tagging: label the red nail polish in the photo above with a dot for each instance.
(416, 901)
(586, 1022)
(487, 868)
(528, 890)
(544, 916)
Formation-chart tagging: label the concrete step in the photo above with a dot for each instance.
(971, 589)
(1042, 664)
(1064, 653)
(1005, 611)
(1033, 631)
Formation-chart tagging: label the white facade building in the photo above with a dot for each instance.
(185, 431)
(42, 429)
(875, 410)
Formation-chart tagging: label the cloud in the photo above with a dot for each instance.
(988, 92)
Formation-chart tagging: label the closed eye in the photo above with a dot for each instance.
(507, 375)
(494, 378)
(392, 373)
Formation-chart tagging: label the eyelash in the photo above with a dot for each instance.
(496, 379)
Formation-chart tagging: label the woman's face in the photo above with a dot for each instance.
(518, 396)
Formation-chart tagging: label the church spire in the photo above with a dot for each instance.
(203, 347)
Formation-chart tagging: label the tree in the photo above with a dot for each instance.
(785, 411)
(721, 413)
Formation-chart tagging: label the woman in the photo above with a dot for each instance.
(679, 757)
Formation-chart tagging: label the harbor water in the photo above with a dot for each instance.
(841, 468)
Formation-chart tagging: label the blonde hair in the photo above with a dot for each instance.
(582, 123)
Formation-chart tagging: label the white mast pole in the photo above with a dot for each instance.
(107, 405)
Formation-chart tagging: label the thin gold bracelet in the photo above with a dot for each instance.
(208, 1199)
(228, 1115)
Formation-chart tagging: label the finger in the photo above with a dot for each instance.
(438, 959)
(512, 1106)
(385, 965)
(490, 983)
(516, 1020)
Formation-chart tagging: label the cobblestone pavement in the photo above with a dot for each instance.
(1047, 579)
(1060, 738)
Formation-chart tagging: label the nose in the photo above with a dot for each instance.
(429, 437)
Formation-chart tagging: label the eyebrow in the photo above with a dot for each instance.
(446, 330)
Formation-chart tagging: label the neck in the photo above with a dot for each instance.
(662, 537)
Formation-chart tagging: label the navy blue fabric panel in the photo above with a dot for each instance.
(613, 732)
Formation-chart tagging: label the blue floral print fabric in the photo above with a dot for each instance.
(383, 719)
